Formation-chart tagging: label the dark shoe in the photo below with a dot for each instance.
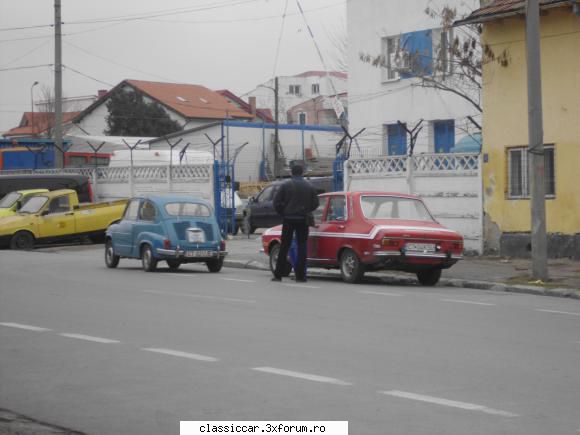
(276, 279)
(301, 280)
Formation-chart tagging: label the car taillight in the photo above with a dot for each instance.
(166, 244)
(458, 246)
(392, 243)
(223, 245)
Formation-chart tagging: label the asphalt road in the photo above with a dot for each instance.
(128, 352)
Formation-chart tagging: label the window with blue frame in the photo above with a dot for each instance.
(444, 132)
(396, 140)
(419, 46)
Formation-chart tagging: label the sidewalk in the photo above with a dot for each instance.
(510, 275)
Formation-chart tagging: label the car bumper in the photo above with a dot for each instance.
(181, 253)
(433, 255)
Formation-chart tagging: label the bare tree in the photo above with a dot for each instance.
(456, 65)
(339, 46)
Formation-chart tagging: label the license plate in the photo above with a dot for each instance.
(199, 254)
(420, 247)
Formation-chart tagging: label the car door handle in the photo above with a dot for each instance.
(341, 227)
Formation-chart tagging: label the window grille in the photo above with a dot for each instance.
(518, 172)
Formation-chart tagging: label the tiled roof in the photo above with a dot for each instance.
(264, 114)
(33, 124)
(501, 8)
(191, 101)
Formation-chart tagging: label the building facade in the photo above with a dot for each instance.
(293, 90)
(385, 96)
(505, 128)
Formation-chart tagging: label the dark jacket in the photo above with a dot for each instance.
(296, 198)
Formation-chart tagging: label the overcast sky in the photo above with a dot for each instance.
(220, 44)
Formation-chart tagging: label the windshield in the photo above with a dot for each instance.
(392, 207)
(191, 209)
(34, 204)
(9, 200)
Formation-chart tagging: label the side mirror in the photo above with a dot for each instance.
(251, 199)
(44, 212)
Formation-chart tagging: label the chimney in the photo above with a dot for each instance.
(252, 101)
(101, 93)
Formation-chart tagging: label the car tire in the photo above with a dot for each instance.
(274, 251)
(148, 262)
(111, 259)
(173, 264)
(351, 269)
(214, 266)
(429, 277)
(22, 240)
(247, 227)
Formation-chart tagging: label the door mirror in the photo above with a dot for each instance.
(45, 212)
(251, 199)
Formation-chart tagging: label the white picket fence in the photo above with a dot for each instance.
(450, 185)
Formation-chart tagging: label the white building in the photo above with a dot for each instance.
(379, 97)
(293, 90)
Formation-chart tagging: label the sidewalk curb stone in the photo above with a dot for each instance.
(451, 282)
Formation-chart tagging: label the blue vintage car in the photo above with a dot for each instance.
(175, 229)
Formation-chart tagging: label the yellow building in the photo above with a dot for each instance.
(505, 126)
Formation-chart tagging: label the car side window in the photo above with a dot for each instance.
(148, 211)
(266, 195)
(336, 209)
(320, 210)
(132, 210)
(59, 205)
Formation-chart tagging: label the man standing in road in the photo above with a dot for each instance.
(295, 201)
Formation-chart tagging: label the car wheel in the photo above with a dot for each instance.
(111, 259)
(351, 269)
(147, 260)
(173, 264)
(274, 251)
(429, 277)
(216, 265)
(247, 227)
(22, 240)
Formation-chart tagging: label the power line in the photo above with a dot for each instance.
(26, 54)
(87, 76)
(280, 39)
(25, 67)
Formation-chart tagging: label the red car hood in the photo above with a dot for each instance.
(408, 228)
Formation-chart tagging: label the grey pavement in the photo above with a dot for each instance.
(124, 351)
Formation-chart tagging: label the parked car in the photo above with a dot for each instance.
(363, 231)
(57, 216)
(79, 183)
(259, 211)
(12, 202)
(176, 229)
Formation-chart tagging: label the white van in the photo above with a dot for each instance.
(122, 158)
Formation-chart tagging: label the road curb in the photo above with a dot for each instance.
(449, 282)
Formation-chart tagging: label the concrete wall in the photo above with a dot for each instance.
(449, 184)
(505, 125)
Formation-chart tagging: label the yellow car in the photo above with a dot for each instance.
(57, 216)
(12, 202)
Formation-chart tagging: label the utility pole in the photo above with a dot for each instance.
(59, 152)
(276, 139)
(536, 144)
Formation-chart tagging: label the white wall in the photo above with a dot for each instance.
(373, 103)
(450, 185)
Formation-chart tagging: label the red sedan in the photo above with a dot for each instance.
(363, 231)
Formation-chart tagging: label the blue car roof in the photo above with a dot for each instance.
(165, 199)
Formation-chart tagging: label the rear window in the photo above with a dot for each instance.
(392, 207)
(190, 209)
